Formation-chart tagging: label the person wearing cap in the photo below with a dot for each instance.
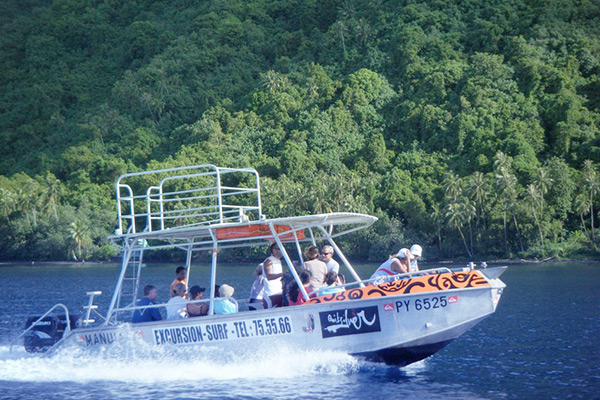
(196, 309)
(150, 313)
(398, 263)
(223, 304)
(316, 267)
(416, 252)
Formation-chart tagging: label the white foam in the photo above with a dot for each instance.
(129, 362)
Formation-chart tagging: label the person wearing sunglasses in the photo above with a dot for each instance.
(327, 258)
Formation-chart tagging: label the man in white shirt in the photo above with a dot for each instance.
(327, 258)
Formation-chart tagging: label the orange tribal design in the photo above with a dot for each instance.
(419, 284)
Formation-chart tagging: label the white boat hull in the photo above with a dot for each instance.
(398, 329)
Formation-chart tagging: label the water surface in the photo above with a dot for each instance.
(543, 342)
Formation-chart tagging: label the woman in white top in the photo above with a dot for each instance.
(272, 272)
(397, 264)
(176, 306)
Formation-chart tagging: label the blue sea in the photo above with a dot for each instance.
(543, 342)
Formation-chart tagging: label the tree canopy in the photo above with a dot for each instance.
(469, 127)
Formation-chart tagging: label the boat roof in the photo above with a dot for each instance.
(306, 228)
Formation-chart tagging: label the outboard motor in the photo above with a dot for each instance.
(46, 331)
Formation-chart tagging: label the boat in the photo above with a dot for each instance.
(201, 208)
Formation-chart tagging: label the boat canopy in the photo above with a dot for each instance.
(205, 207)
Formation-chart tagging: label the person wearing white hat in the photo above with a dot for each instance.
(398, 263)
(224, 305)
(416, 252)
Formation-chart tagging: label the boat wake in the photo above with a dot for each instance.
(143, 363)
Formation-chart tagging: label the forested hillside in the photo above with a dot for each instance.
(470, 127)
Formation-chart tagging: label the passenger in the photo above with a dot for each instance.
(295, 295)
(341, 279)
(396, 264)
(327, 258)
(416, 252)
(181, 275)
(257, 289)
(147, 314)
(332, 287)
(196, 309)
(273, 271)
(223, 304)
(317, 268)
(176, 306)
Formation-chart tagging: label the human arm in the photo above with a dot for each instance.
(268, 267)
(398, 266)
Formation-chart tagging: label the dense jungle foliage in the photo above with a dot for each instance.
(470, 127)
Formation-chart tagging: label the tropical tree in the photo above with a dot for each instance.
(542, 184)
(592, 185)
(52, 191)
(80, 234)
(582, 208)
(456, 216)
(534, 199)
(478, 190)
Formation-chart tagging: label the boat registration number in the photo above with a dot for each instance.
(427, 303)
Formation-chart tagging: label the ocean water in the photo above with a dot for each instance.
(543, 342)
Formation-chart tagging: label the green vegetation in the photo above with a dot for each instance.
(470, 127)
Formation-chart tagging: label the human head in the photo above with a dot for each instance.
(305, 277)
(312, 252)
(275, 250)
(225, 290)
(179, 290)
(181, 273)
(196, 292)
(150, 292)
(331, 278)
(416, 251)
(341, 279)
(404, 253)
(404, 256)
(326, 253)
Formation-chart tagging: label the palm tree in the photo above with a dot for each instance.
(437, 217)
(592, 185)
(468, 211)
(456, 218)
(543, 183)
(502, 162)
(52, 193)
(7, 203)
(478, 189)
(273, 81)
(582, 207)
(452, 187)
(534, 199)
(80, 235)
(506, 182)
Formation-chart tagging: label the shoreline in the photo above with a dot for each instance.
(509, 261)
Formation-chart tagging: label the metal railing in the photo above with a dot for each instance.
(186, 196)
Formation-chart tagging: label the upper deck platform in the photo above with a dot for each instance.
(201, 204)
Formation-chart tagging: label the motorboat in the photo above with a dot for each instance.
(201, 208)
